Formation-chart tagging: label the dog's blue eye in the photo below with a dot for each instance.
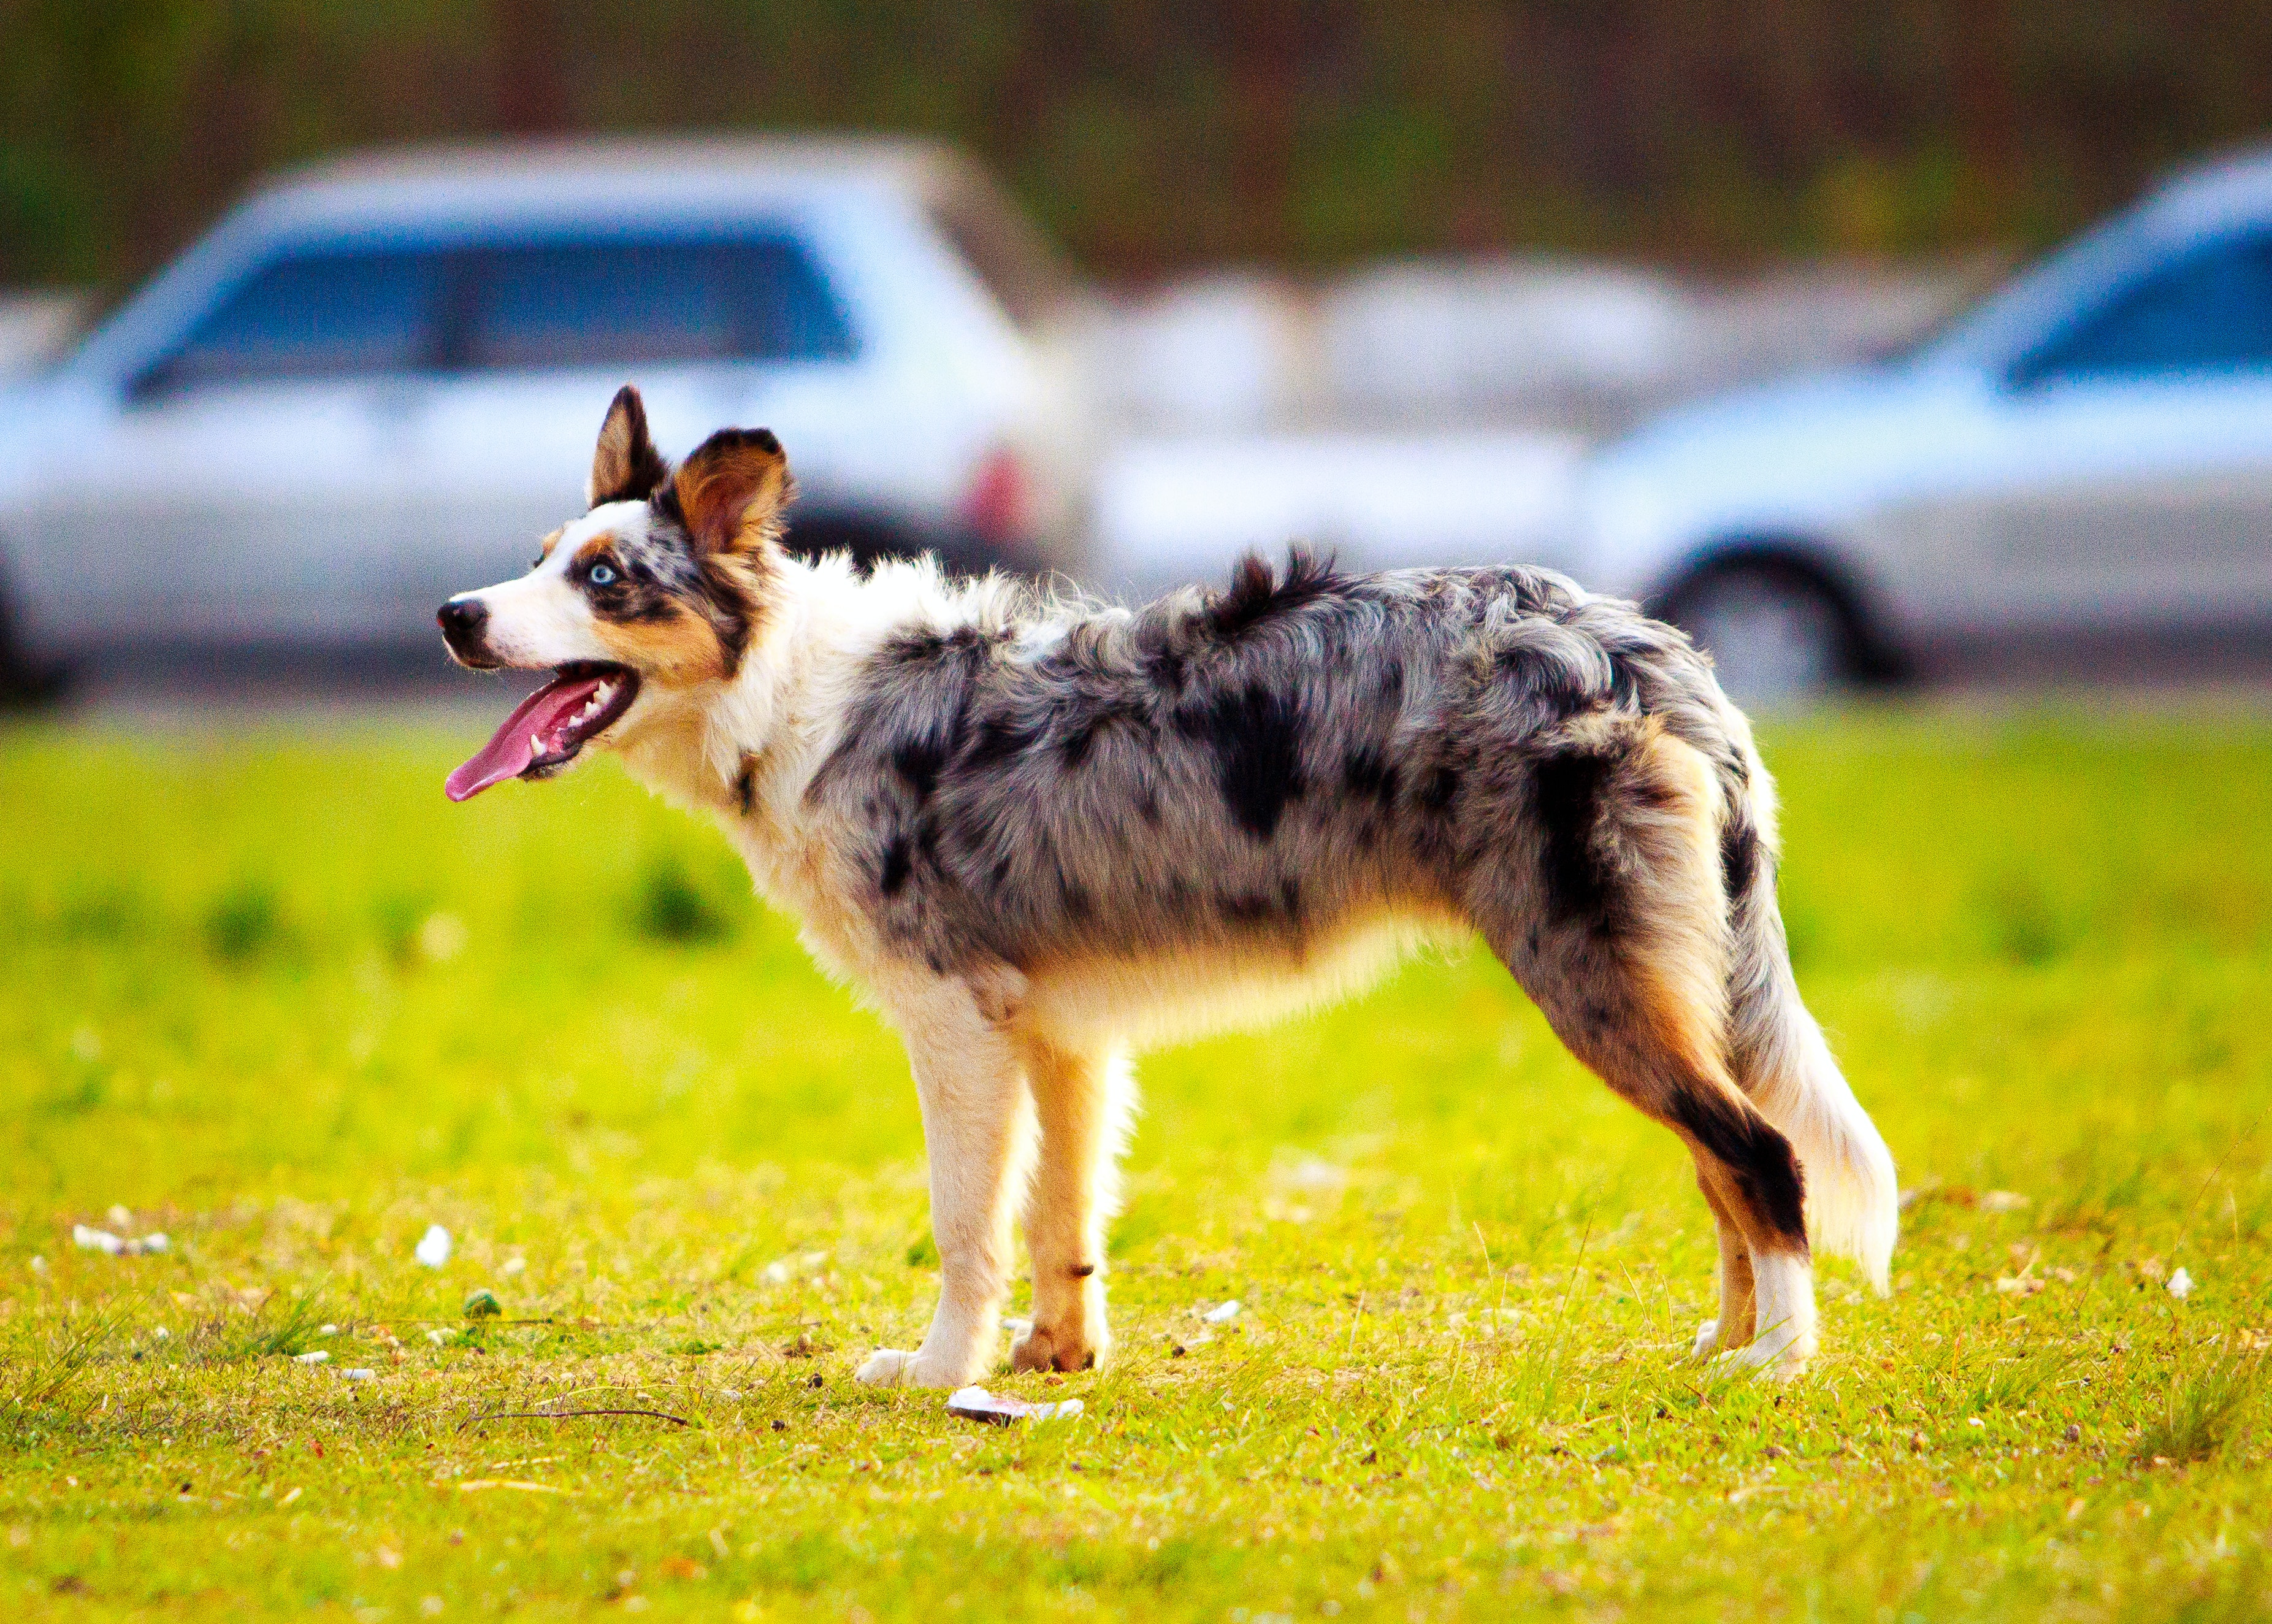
(601, 575)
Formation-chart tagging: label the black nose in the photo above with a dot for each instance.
(463, 622)
(462, 619)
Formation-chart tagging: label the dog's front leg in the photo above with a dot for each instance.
(978, 1131)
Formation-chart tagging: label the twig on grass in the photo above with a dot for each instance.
(570, 1415)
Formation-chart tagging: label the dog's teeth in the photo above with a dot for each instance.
(535, 744)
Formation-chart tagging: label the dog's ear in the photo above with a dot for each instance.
(731, 492)
(627, 467)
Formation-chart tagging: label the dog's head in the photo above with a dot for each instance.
(659, 588)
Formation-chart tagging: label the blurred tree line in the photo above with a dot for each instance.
(1153, 133)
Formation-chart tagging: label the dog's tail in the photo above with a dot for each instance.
(1782, 1059)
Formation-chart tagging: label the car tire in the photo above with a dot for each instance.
(1777, 633)
(24, 683)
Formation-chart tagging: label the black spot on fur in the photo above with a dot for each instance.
(1372, 776)
(918, 760)
(1256, 595)
(1437, 790)
(996, 740)
(896, 868)
(1255, 735)
(1244, 908)
(1290, 897)
(1760, 1158)
(1077, 904)
(1567, 791)
(1147, 805)
(1739, 857)
(745, 787)
(1082, 1271)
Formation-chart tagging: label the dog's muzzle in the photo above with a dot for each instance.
(465, 622)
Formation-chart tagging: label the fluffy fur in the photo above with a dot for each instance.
(1039, 834)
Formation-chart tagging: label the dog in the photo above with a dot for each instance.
(1041, 834)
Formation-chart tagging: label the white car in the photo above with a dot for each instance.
(378, 381)
(2087, 454)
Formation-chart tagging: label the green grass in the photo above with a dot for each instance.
(279, 999)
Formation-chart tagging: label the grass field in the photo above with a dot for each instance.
(279, 1000)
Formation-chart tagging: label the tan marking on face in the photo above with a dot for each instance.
(679, 649)
(544, 548)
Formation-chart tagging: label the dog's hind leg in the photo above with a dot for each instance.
(1081, 1101)
(1733, 1326)
(978, 1131)
(1619, 934)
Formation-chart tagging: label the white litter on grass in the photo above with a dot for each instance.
(975, 1403)
(776, 1273)
(2005, 1200)
(438, 1337)
(1222, 1313)
(120, 1217)
(161, 1333)
(327, 1331)
(39, 1264)
(433, 1249)
(2181, 1285)
(96, 1240)
(359, 1373)
(154, 1241)
(316, 1358)
(514, 1265)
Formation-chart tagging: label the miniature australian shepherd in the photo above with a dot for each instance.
(1041, 834)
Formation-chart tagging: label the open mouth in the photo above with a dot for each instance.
(547, 728)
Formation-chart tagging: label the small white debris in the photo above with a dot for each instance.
(2181, 1285)
(776, 1273)
(2005, 1200)
(96, 1240)
(1222, 1313)
(514, 1265)
(442, 938)
(120, 1217)
(975, 1403)
(154, 1241)
(39, 1264)
(438, 1337)
(327, 1331)
(1976, 1421)
(814, 1260)
(359, 1373)
(1310, 1173)
(433, 1249)
(730, 1392)
(318, 1356)
(161, 1333)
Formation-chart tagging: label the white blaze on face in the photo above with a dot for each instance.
(543, 618)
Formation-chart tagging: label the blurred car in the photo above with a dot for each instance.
(380, 379)
(2088, 454)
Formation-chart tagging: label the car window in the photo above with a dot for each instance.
(316, 315)
(2211, 312)
(571, 305)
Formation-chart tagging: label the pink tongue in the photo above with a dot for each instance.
(507, 754)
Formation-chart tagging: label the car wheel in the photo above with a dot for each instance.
(1776, 633)
(24, 683)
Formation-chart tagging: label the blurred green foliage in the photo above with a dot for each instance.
(1150, 135)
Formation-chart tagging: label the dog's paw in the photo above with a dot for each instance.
(1777, 1357)
(1707, 1341)
(1040, 1348)
(886, 1367)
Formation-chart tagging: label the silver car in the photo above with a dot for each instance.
(379, 379)
(2086, 456)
